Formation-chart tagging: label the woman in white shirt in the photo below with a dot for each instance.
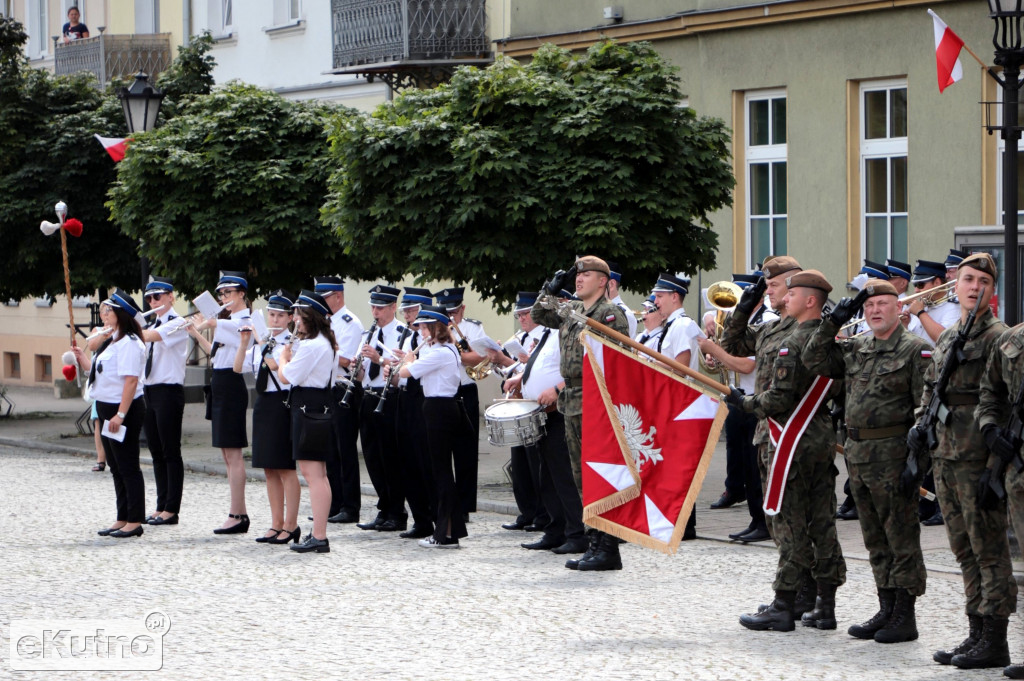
(439, 370)
(272, 421)
(308, 367)
(228, 395)
(114, 384)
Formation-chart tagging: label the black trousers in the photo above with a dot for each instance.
(526, 486)
(445, 424)
(380, 451)
(467, 449)
(411, 434)
(343, 464)
(123, 460)
(739, 446)
(557, 485)
(165, 407)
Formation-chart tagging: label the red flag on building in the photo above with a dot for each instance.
(648, 437)
(947, 53)
(115, 146)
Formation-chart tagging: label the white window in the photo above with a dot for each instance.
(220, 17)
(766, 158)
(883, 170)
(286, 12)
(147, 16)
(36, 26)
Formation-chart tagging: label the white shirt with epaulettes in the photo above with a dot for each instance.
(384, 337)
(169, 354)
(122, 359)
(348, 332)
(312, 364)
(226, 333)
(254, 359)
(472, 330)
(544, 373)
(437, 370)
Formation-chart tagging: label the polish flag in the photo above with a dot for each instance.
(115, 146)
(947, 53)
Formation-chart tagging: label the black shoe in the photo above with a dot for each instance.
(241, 527)
(991, 650)
(606, 555)
(975, 623)
(465, 518)
(392, 525)
(593, 539)
(1014, 671)
(806, 596)
(267, 537)
(292, 536)
(776, 617)
(160, 520)
(577, 545)
(759, 534)
(515, 525)
(545, 543)
(934, 520)
(741, 533)
(311, 543)
(99, 467)
(372, 525)
(344, 516)
(137, 532)
(106, 532)
(533, 528)
(823, 616)
(728, 499)
(867, 630)
(902, 626)
(418, 531)
(848, 511)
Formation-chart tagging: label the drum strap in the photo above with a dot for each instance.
(534, 355)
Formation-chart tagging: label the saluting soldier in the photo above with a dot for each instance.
(592, 275)
(977, 535)
(804, 527)
(884, 375)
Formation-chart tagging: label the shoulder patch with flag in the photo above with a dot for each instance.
(610, 318)
(783, 352)
(947, 53)
(927, 354)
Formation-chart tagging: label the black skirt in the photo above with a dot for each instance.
(272, 431)
(315, 400)
(230, 399)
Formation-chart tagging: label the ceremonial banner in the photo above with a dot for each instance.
(947, 53)
(648, 437)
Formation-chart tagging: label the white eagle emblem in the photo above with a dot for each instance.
(641, 444)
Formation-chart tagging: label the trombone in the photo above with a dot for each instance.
(945, 290)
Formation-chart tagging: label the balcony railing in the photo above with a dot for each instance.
(368, 32)
(114, 56)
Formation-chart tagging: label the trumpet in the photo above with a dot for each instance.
(480, 371)
(946, 291)
(723, 296)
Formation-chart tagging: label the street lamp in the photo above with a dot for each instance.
(1008, 15)
(141, 104)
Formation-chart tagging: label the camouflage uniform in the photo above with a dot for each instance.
(884, 381)
(805, 527)
(570, 401)
(1003, 375)
(977, 537)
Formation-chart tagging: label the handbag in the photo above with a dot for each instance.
(315, 434)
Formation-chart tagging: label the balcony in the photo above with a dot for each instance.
(408, 43)
(114, 56)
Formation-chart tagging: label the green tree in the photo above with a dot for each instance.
(506, 174)
(233, 182)
(190, 75)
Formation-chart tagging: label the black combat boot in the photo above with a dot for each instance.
(606, 556)
(595, 538)
(902, 626)
(886, 602)
(1014, 671)
(990, 650)
(806, 596)
(824, 614)
(778, 616)
(946, 656)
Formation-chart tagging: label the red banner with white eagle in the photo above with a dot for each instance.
(648, 437)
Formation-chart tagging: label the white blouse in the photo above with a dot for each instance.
(254, 359)
(226, 333)
(439, 370)
(312, 364)
(120, 360)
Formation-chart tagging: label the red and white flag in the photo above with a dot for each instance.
(648, 437)
(115, 146)
(947, 53)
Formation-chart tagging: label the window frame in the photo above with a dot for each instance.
(888, 148)
(759, 154)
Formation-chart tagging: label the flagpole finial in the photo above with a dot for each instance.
(62, 210)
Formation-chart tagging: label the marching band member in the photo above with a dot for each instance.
(228, 395)
(953, 260)
(439, 369)
(163, 382)
(309, 370)
(114, 384)
(377, 430)
(927, 318)
(467, 448)
(343, 464)
(614, 283)
(653, 321)
(272, 420)
(900, 274)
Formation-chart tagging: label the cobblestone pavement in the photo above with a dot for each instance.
(381, 607)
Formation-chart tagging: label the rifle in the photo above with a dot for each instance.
(935, 406)
(1015, 426)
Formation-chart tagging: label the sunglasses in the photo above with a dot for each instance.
(152, 296)
(225, 291)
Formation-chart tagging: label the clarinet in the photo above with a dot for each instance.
(356, 373)
(293, 345)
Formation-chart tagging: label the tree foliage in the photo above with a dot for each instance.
(235, 182)
(48, 154)
(506, 174)
(190, 74)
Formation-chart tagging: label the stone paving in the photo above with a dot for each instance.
(381, 607)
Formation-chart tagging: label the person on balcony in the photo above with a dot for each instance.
(74, 29)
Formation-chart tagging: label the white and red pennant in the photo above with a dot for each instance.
(648, 437)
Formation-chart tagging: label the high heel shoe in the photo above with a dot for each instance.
(241, 527)
(265, 539)
(99, 467)
(160, 520)
(292, 536)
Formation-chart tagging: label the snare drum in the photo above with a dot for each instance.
(515, 423)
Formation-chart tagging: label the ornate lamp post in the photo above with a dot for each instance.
(1008, 16)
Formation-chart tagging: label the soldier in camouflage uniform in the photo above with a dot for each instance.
(807, 515)
(884, 375)
(977, 535)
(763, 341)
(592, 276)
